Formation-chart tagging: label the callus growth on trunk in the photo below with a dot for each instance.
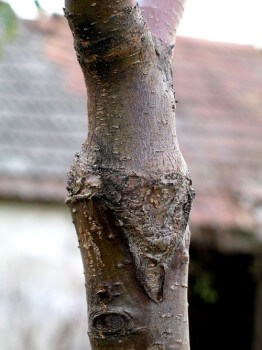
(129, 188)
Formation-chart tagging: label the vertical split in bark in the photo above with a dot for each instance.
(129, 189)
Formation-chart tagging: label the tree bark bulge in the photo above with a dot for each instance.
(129, 189)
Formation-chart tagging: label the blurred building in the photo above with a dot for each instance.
(219, 122)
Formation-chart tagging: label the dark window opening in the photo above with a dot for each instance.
(221, 301)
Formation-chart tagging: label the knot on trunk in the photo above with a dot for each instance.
(150, 212)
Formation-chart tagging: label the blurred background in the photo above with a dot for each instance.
(218, 83)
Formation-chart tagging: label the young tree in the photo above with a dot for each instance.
(129, 188)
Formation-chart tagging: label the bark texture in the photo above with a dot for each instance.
(129, 189)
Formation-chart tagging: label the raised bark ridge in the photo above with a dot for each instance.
(152, 214)
(129, 189)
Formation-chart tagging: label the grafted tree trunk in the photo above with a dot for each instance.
(129, 188)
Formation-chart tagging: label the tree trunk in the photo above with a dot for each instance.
(129, 188)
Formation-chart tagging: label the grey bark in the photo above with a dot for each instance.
(129, 188)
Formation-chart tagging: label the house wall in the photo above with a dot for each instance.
(42, 295)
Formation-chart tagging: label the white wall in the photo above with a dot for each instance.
(42, 295)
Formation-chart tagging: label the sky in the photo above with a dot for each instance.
(234, 21)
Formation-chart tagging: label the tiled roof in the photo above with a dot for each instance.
(219, 122)
(42, 121)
